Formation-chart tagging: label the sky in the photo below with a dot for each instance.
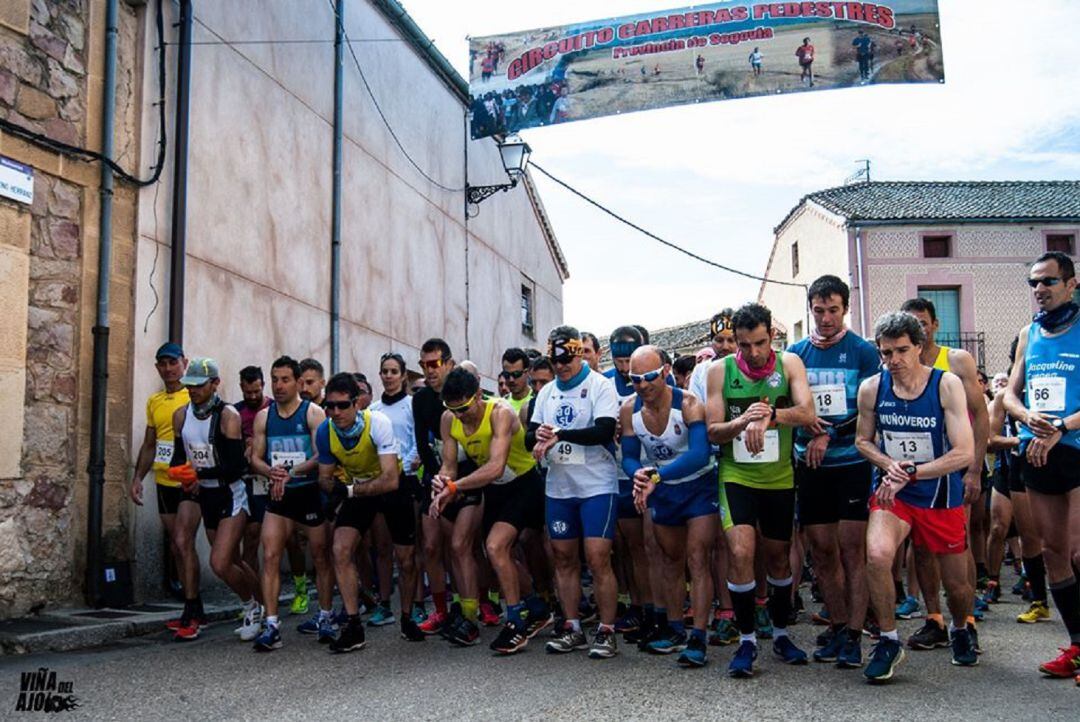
(717, 177)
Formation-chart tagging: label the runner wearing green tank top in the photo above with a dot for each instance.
(755, 400)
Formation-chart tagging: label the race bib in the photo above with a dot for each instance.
(200, 456)
(163, 453)
(915, 446)
(566, 453)
(288, 459)
(1046, 393)
(769, 454)
(830, 399)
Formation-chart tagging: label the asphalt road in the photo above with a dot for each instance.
(218, 677)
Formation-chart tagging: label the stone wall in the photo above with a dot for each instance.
(51, 62)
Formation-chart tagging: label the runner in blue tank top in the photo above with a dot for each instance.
(925, 443)
(1044, 396)
(833, 480)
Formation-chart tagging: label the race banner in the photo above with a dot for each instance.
(716, 51)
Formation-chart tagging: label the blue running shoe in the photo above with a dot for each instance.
(742, 664)
(887, 653)
(787, 652)
(311, 626)
(908, 609)
(328, 629)
(850, 656)
(963, 649)
(829, 651)
(269, 640)
(763, 625)
(419, 614)
(695, 654)
(668, 642)
(382, 616)
(981, 605)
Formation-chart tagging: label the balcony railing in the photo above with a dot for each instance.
(974, 342)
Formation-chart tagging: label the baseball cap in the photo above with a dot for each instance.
(199, 371)
(169, 350)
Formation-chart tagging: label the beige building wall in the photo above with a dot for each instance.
(259, 213)
(51, 65)
(823, 249)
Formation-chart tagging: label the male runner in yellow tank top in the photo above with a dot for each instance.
(492, 436)
(959, 362)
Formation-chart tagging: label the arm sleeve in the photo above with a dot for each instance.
(530, 435)
(322, 444)
(179, 453)
(631, 454)
(423, 448)
(231, 462)
(603, 432)
(694, 458)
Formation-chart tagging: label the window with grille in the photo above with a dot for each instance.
(1061, 242)
(937, 246)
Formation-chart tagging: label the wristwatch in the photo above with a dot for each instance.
(1059, 424)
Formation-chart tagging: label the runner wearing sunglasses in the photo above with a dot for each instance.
(1044, 396)
(573, 426)
(678, 486)
(490, 433)
(515, 372)
(756, 398)
(362, 443)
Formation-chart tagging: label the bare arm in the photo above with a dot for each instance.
(721, 430)
(387, 480)
(449, 468)
(315, 417)
(998, 441)
(866, 428)
(147, 451)
(961, 437)
(503, 423)
(964, 367)
(801, 412)
(258, 445)
(1015, 388)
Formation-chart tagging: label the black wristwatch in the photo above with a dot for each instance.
(1059, 424)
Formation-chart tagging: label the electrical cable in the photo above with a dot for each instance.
(655, 237)
(85, 154)
(378, 108)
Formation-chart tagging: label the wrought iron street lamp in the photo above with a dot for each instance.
(515, 157)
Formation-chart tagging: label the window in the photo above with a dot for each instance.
(936, 246)
(1063, 242)
(527, 310)
(794, 259)
(947, 307)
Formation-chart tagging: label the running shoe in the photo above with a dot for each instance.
(1020, 585)
(490, 615)
(328, 628)
(187, 632)
(884, 658)
(974, 637)
(269, 640)
(587, 611)
(1067, 664)
(629, 622)
(350, 639)
(963, 651)
(825, 637)
(695, 654)
(871, 628)
(419, 614)
(669, 641)
(762, 624)
(567, 641)
(250, 628)
(829, 651)
(909, 608)
(300, 600)
(462, 632)
(742, 663)
(1037, 612)
(723, 633)
(534, 624)
(787, 652)
(931, 636)
(976, 612)
(173, 624)
(644, 637)
(850, 656)
(557, 627)
(434, 624)
(410, 632)
(822, 617)
(382, 616)
(992, 595)
(510, 640)
(604, 645)
(797, 608)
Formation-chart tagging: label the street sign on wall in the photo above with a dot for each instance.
(16, 181)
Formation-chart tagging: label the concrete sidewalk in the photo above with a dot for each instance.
(63, 630)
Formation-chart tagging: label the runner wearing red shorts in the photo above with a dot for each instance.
(926, 442)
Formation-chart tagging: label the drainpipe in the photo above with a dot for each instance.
(862, 284)
(180, 173)
(100, 373)
(335, 203)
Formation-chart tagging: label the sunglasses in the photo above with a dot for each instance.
(512, 374)
(432, 365)
(460, 409)
(338, 405)
(647, 377)
(538, 383)
(1049, 282)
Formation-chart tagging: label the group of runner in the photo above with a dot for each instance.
(690, 488)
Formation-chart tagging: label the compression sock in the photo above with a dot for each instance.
(780, 601)
(470, 608)
(1067, 600)
(742, 600)
(1035, 569)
